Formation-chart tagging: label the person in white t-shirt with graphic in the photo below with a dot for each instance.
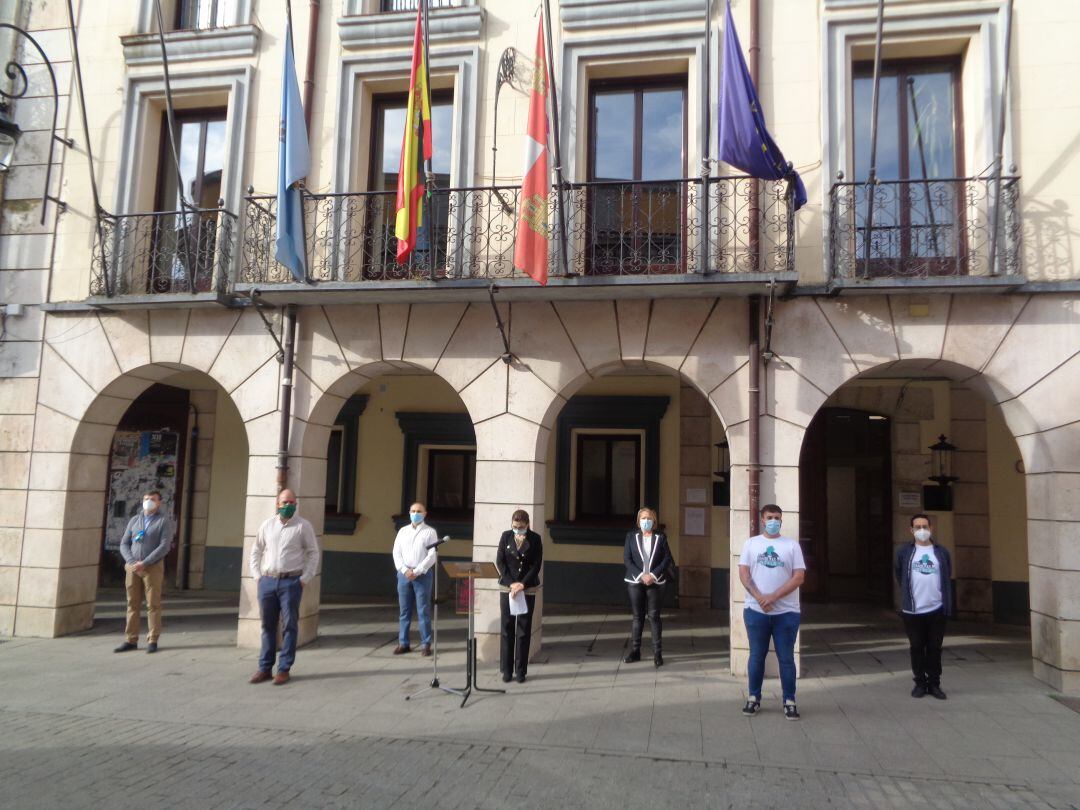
(923, 570)
(771, 570)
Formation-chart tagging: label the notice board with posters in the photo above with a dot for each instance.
(141, 460)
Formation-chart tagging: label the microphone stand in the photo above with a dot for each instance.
(435, 684)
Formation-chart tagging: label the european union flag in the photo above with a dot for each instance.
(293, 160)
(745, 143)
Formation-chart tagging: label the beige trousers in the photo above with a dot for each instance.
(148, 583)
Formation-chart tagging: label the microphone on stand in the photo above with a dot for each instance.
(436, 543)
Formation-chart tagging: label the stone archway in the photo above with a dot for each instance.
(93, 368)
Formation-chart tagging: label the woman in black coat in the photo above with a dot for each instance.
(647, 557)
(518, 559)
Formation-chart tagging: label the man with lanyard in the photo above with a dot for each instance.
(147, 539)
(284, 558)
(414, 559)
(924, 572)
(771, 570)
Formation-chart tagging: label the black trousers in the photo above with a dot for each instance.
(516, 635)
(645, 599)
(925, 632)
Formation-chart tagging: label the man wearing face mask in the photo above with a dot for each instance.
(147, 539)
(771, 570)
(414, 560)
(284, 558)
(923, 570)
(519, 557)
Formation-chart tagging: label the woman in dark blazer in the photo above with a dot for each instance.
(518, 559)
(647, 557)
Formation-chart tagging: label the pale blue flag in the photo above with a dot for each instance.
(294, 158)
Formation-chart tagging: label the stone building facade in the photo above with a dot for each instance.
(638, 363)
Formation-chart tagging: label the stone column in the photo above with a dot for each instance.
(971, 507)
(695, 496)
(205, 402)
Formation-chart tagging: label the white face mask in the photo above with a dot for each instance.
(922, 535)
(149, 506)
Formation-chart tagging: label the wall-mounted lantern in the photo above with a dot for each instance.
(939, 497)
(721, 487)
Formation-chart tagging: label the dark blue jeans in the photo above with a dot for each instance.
(418, 591)
(782, 628)
(279, 598)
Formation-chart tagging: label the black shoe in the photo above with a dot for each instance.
(507, 677)
(151, 647)
(918, 691)
(520, 678)
(632, 657)
(751, 707)
(935, 691)
(126, 646)
(790, 712)
(658, 660)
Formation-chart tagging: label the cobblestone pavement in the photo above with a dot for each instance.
(82, 727)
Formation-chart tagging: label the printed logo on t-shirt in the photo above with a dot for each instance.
(770, 559)
(925, 565)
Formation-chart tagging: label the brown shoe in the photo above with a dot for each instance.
(260, 676)
(426, 651)
(281, 677)
(402, 648)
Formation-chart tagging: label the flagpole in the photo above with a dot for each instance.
(871, 178)
(999, 157)
(705, 152)
(429, 176)
(755, 198)
(560, 209)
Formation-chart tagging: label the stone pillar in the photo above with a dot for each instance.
(695, 496)
(205, 402)
(971, 506)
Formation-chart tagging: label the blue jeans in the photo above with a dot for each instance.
(279, 598)
(782, 628)
(419, 590)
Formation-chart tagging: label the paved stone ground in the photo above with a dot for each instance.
(82, 727)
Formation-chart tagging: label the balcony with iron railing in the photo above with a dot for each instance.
(189, 252)
(614, 230)
(959, 232)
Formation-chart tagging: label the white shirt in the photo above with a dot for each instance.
(283, 547)
(410, 549)
(772, 562)
(925, 580)
(646, 545)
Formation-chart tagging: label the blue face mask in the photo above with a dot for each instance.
(416, 517)
(646, 525)
(772, 526)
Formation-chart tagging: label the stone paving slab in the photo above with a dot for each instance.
(82, 727)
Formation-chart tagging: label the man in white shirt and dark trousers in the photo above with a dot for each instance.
(414, 561)
(923, 570)
(771, 570)
(284, 558)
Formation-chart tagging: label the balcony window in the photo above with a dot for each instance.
(608, 477)
(200, 15)
(412, 5)
(636, 200)
(918, 219)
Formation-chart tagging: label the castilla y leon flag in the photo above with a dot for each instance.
(531, 247)
(410, 186)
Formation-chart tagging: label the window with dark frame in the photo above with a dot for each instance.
(335, 460)
(412, 5)
(200, 15)
(451, 481)
(919, 203)
(183, 242)
(608, 477)
(388, 126)
(637, 200)
(341, 467)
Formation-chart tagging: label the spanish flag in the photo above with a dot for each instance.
(410, 188)
(531, 246)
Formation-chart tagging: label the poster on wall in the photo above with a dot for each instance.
(141, 461)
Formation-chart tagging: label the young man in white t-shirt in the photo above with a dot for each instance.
(771, 569)
(923, 571)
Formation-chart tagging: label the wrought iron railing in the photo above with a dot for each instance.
(924, 229)
(411, 5)
(613, 229)
(164, 252)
